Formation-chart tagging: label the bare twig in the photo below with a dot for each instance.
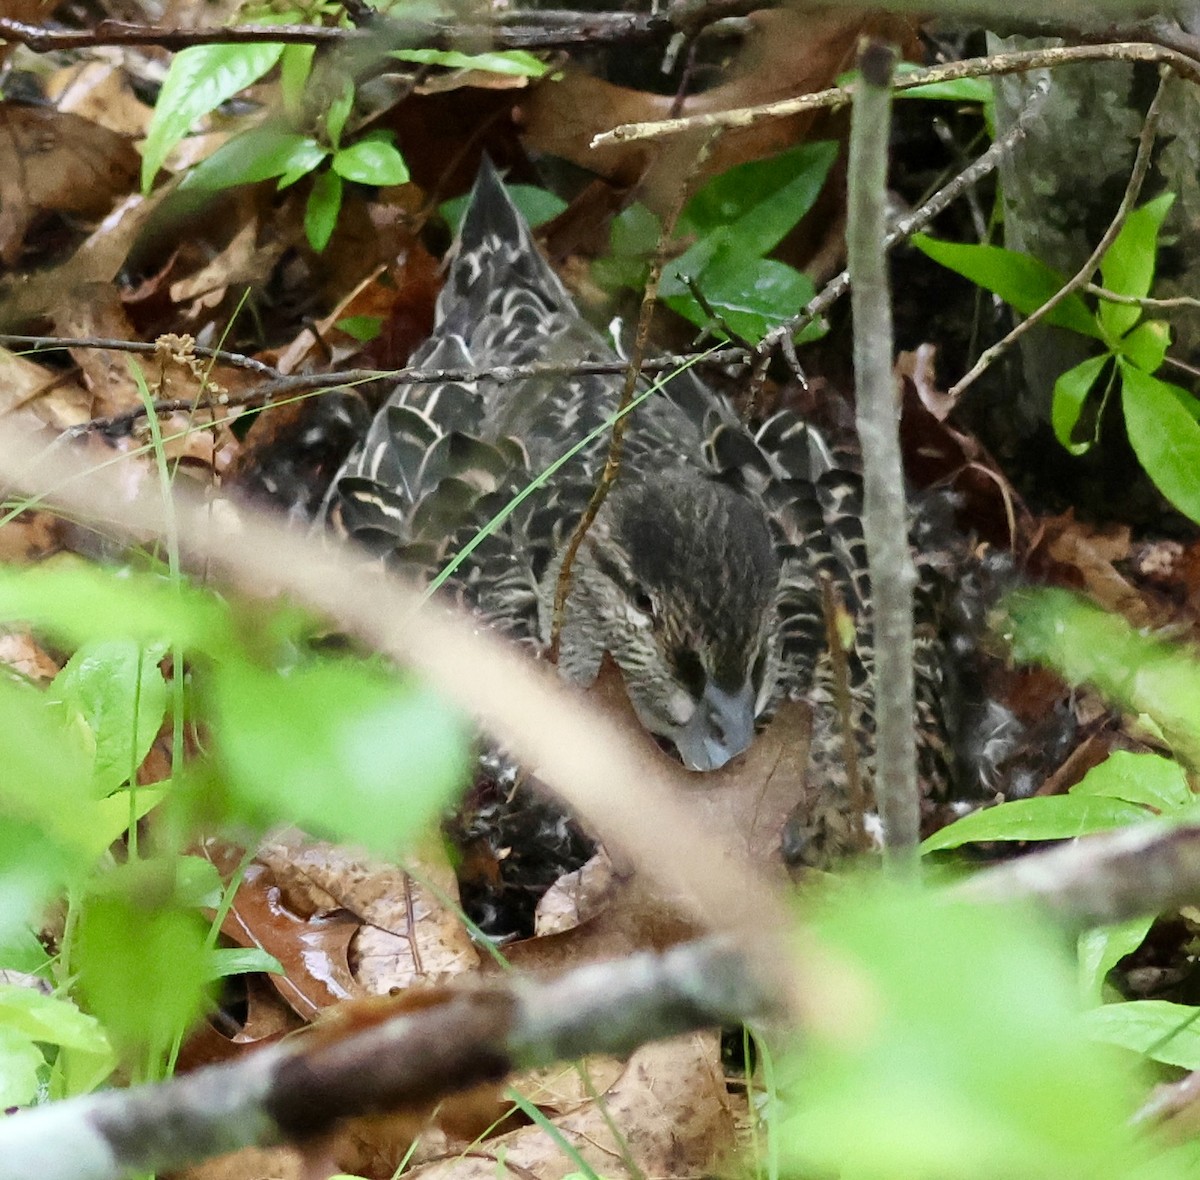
(1133, 189)
(517, 30)
(1145, 302)
(235, 360)
(612, 463)
(286, 387)
(1151, 868)
(298, 1090)
(885, 526)
(975, 67)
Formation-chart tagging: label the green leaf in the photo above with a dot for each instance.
(362, 328)
(339, 112)
(371, 161)
(1019, 279)
(1164, 433)
(1146, 346)
(198, 883)
(338, 749)
(21, 1065)
(1088, 645)
(953, 1062)
(200, 79)
(1071, 392)
(243, 960)
(116, 687)
(515, 63)
(48, 1020)
(752, 295)
(75, 603)
(295, 69)
(1102, 948)
(536, 205)
(142, 960)
(33, 866)
(1149, 780)
(1051, 817)
(253, 156)
(754, 205)
(1157, 1029)
(321, 211)
(1127, 267)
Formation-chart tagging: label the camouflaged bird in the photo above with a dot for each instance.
(702, 573)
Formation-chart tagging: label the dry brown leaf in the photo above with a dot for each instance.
(404, 935)
(21, 652)
(790, 52)
(51, 160)
(670, 1106)
(100, 92)
(313, 948)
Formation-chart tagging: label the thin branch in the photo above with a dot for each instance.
(1145, 302)
(1150, 868)
(839, 96)
(530, 31)
(903, 228)
(281, 388)
(1133, 189)
(633, 371)
(885, 524)
(300, 1089)
(235, 360)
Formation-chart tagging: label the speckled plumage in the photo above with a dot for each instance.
(702, 574)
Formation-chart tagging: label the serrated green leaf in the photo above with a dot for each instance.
(1146, 346)
(1149, 780)
(1165, 435)
(50, 1020)
(1052, 817)
(338, 749)
(515, 63)
(1127, 267)
(21, 1063)
(1157, 1029)
(1071, 392)
(200, 79)
(322, 208)
(371, 161)
(1019, 279)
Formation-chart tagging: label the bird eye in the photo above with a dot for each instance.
(643, 602)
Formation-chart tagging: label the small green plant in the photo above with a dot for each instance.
(1159, 683)
(347, 749)
(286, 147)
(724, 280)
(1162, 419)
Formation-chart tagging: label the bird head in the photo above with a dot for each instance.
(677, 579)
